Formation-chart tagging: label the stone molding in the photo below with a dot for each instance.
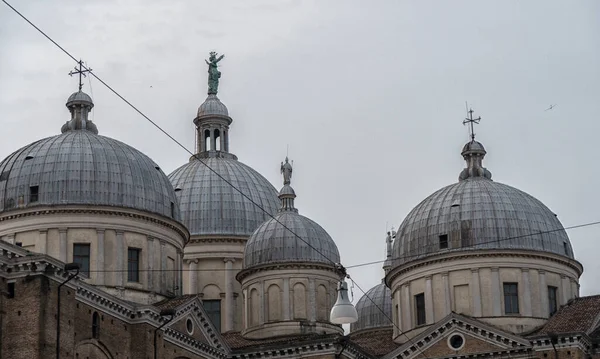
(179, 228)
(454, 256)
(283, 266)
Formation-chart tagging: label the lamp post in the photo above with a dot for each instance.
(163, 313)
(343, 312)
(68, 267)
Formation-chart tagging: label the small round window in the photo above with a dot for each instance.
(189, 325)
(456, 342)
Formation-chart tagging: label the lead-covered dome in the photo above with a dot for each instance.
(211, 206)
(272, 242)
(81, 167)
(374, 313)
(477, 213)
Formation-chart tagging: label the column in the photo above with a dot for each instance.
(221, 139)
(200, 134)
(406, 308)
(120, 272)
(476, 292)
(565, 289)
(213, 141)
(261, 300)
(398, 304)
(430, 315)
(43, 241)
(496, 292)
(286, 299)
(100, 268)
(193, 276)
(229, 294)
(150, 263)
(545, 306)
(162, 286)
(62, 244)
(246, 308)
(312, 300)
(526, 292)
(177, 273)
(574, 288)
(447, 294)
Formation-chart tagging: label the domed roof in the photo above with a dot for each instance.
(212, 106)
(80, 167)
(210, 206)
(272, 242)
(477, 213)
(369, 310)
(79, 97)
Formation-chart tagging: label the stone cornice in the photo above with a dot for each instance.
(98, 210)
(244, 273)
(457, 255)
(324, 346)
(218, 239)
(191, 344)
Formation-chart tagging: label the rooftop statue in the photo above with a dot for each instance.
(286, 169)
(213, 73)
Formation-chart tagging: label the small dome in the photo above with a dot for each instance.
(476, 214)
(80, 167)
(212, 106)
(274, 242)
(209, 206)
(369, 313)
(79, 98)
(473, 146)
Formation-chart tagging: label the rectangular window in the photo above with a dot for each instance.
(172, 209)
(11, 290)
(443, 241)
(420, 309)
(566, 248)
(552, 302)
(81, 256)
(34, 193)
(511, 298)
(213, 310)
(133, 265)
(19, 244)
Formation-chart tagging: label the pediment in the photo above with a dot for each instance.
(192, 322)
(458, 335)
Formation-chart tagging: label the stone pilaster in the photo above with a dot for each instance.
(100, 266)
(430, 315)
(62, 244)
(229, 308)
(496, 293)
(476, 292)
(526, 297)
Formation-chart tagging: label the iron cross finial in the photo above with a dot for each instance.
(81, 73)
(471, 121)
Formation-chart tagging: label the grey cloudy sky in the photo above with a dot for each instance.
(369, 96)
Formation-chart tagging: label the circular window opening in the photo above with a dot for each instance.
(456, 341)
(189, 325)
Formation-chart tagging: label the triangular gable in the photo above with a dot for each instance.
(203, 329)
(478, 338)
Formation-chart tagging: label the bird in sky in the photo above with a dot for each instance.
(550, 108)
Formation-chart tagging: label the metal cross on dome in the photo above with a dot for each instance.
(470, 120)
(81, 73)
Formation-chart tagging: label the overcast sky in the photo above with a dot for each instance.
(369, 96)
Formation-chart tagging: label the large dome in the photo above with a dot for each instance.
(210, 206)
(477, 213)
(370, 315)
(273, 242)
(80, 167)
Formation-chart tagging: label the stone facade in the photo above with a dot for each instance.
(472, 284)
(109, 232)
(288, 299)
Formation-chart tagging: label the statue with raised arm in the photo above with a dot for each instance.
(213, 72)
(286, 169)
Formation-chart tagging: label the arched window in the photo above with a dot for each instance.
(95, 325)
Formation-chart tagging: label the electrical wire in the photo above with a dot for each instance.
(234, 187)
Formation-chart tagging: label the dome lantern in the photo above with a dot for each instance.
(80, 105)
